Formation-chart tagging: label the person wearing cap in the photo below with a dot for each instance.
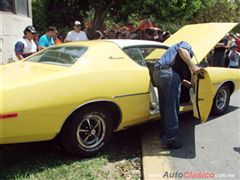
(26, 45)
(233, 56)
(173, 68)
(47, 39)
(76, 34)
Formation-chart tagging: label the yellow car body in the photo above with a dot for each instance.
(37, 99)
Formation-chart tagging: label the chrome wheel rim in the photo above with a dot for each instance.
(91, 131)
(221, 99)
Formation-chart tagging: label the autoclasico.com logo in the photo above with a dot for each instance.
(192, 175)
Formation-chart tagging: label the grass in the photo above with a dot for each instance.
(44, 160)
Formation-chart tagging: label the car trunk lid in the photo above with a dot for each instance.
(20, 72)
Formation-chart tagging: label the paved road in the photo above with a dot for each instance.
(212, 147)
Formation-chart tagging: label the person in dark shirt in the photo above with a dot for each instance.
(218, 59)
(173, 68)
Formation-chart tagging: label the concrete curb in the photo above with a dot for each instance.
(155, 159)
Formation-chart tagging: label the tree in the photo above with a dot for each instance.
(171, 13)
(218, 11)
(58, 13)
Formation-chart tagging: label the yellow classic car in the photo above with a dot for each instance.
(82, 92)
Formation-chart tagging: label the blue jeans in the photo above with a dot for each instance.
(168, 83)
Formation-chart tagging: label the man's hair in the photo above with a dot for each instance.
(52, 28)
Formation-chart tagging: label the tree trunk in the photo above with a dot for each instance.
(99, 16)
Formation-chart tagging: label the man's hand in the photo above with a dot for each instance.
(187, 83)
(197, 71)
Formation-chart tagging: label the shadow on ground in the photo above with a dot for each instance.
(186, 135)
(23, 160)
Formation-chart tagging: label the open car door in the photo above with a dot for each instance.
(203, 96)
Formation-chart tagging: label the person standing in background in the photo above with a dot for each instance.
(233, 56)
(26, 45)
(111, 34)
(231, 40)
(47, 40)
(76, 34)
(218, 59)
(98, 35)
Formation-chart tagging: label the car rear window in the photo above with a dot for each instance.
(63, 56)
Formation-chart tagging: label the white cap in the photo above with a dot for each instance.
(77, 23)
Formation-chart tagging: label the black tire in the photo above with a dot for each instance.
(78, 135)
(221, 100)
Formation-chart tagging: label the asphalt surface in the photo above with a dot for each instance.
(212, 147)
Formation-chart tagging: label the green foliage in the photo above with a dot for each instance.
(218, 11)
(57, 13)
(171, 14)
(39, 16)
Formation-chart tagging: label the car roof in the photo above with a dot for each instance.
(123, 43)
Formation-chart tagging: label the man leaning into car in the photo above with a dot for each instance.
(172, 69)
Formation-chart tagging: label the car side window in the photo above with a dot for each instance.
(152, 53)
(134, 54)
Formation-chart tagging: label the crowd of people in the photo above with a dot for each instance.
(32, 42)
(226, 53)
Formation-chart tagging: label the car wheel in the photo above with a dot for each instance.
(87, 132)
(221, 100)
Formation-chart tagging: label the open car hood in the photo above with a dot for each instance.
(202, 37)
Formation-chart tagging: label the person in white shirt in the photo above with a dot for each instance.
(26, 46)
(76, 34)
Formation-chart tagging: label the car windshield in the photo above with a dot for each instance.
(63, 56)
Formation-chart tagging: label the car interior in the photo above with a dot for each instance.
(148, 56)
